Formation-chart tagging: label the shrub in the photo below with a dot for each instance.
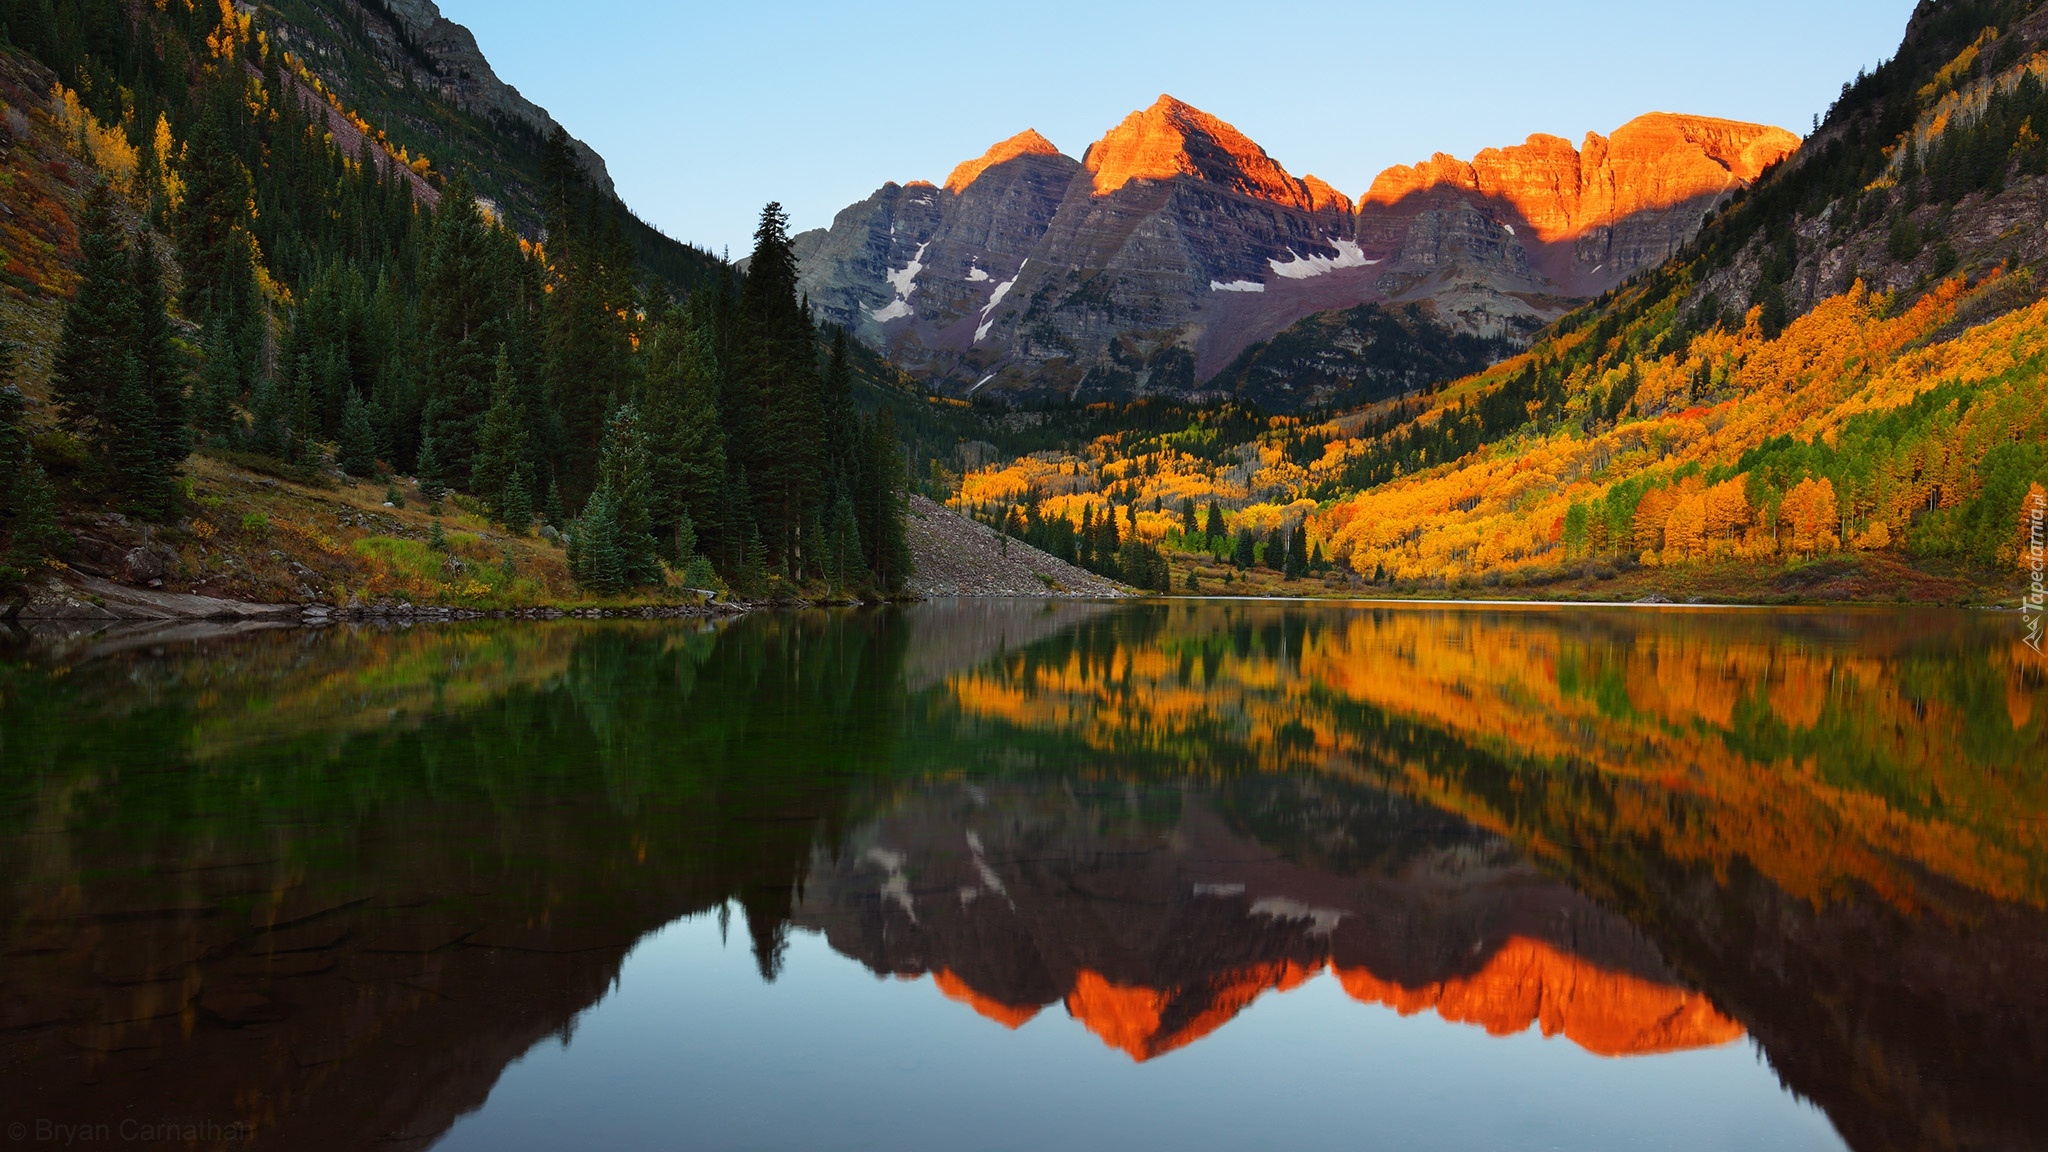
(1905, 243)
(698, 573)
(60, 452)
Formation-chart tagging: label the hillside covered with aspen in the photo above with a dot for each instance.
(1835, 392)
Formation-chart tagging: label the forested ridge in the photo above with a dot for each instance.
(245, 286)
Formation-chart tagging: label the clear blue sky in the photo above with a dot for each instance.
(704, 111)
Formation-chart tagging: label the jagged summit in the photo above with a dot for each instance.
(1652, 163)
(1177, 243)
(1025, 143)
(1172, 138)
(1323, 196)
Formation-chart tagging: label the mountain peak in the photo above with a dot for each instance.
(1745, 150)
(1173, 138)
(1025, 143)
(1322, 196)
(1653, 163)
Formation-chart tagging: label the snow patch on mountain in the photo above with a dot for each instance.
(994, 299)
(904, 281)
(1349, 255)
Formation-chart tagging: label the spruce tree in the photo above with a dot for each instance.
(213, 218)
(431, 486)
(135, 474)
(268, 420)
(1245, 553)
(95, 347)
(1214, 528)
(516, 511)
(500, 461)
(1296, 564)
(781, 439)
(220, 389)
(1276, 548)
(29, 533)
(842, 543)
(596, 560)
(163, 376)
(836, 396)
(882, 499)
(300, 421)
(613, 547)
(624, 470)
(551, 510)
(464, 324)
(685, 539)
(358, 445)
(686, 444)
(588, 331)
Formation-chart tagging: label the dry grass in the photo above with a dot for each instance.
(259, 538)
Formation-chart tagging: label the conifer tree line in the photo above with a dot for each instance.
(312, 304)
(1105, 543)
(28, 504)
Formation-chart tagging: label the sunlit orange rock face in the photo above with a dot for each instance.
(1025, 143)
(1031, 274)
(1011, 1016)
(1527, 983)
(1531, 982)
(1322, 197)
(1552, 192)
(1172, 139)
(1153, 934)
(1652, 162)
(1141, 1021)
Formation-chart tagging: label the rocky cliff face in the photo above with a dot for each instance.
(1559, 220)
(1177, 242)
(417, 56)
(457, 67)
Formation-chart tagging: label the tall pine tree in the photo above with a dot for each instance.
(589, 315)
(781, 439)
(212, 221)
(163, 373)
(464, 322)
(29, 533)
(98, 339)
(499, 465)
(686, 447)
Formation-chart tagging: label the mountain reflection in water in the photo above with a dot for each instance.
(329, 886)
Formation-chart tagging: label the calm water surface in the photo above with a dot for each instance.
(1024, 876)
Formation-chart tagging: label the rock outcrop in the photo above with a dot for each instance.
(1570, 221)
(429, 58)
(1176, 242)
(954, 556)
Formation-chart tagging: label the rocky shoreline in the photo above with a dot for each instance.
(79, 604)
(318, 615)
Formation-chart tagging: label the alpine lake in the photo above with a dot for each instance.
(1001, 875)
